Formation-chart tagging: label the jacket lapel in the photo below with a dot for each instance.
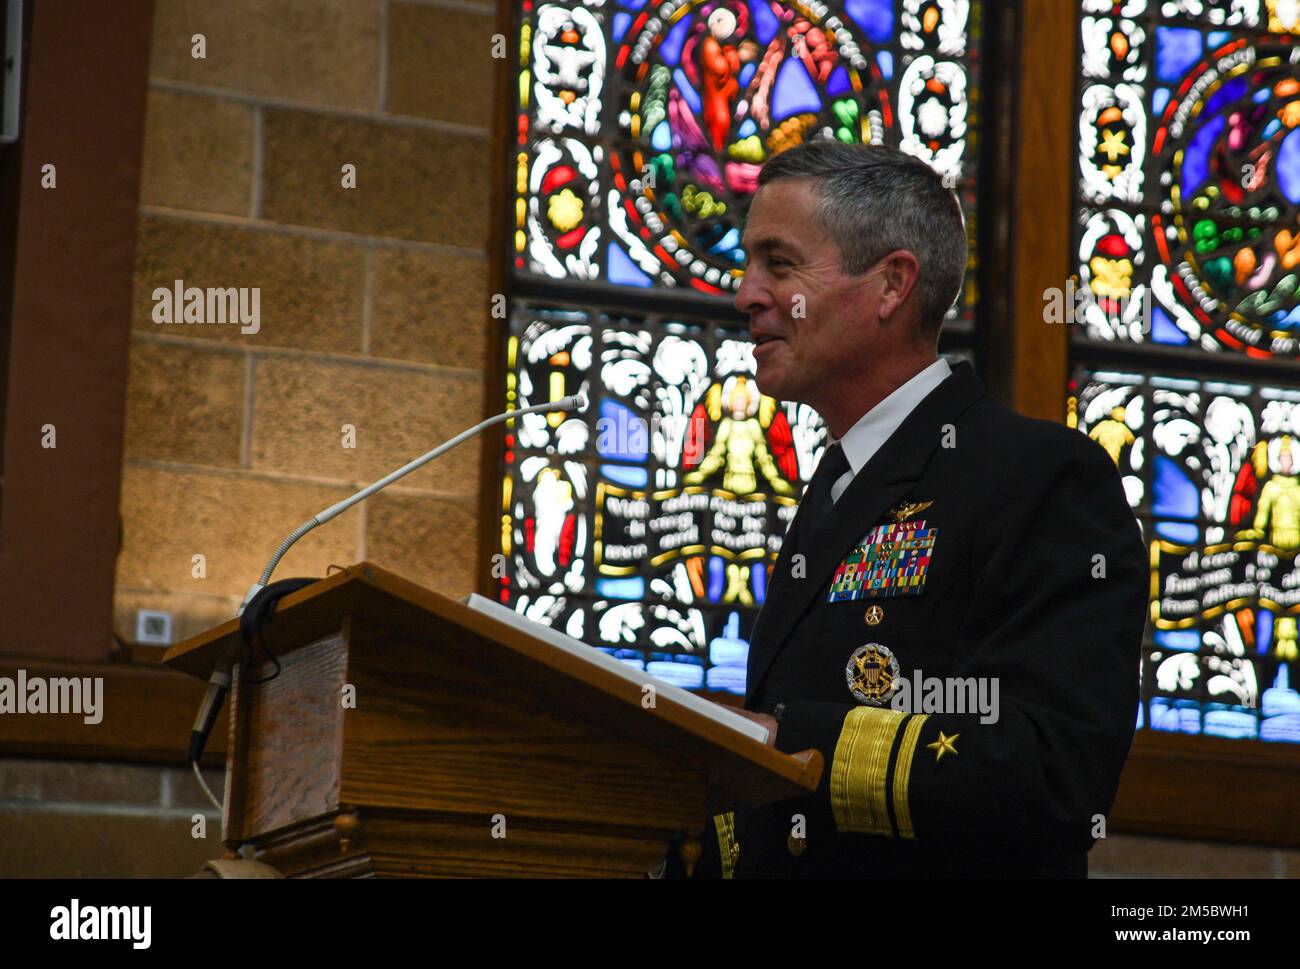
(882, 483)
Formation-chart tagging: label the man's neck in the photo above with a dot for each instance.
(861, 396)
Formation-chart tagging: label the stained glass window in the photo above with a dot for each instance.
(642, 127)
(1212, 469)
(1185, 242)
(1188, 174)
(648, 526)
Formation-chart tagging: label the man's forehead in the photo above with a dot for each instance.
(761, 241)
(797, 228)
(782, 212)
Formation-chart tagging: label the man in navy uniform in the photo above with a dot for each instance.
(956, 615)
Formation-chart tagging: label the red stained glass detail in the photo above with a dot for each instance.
(697, 438)
(571, 238)
(1112, 244)
(1243, 495)
(567, 532)
(558, 176)
(780, 441)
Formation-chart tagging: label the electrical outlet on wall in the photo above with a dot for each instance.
(153, 627)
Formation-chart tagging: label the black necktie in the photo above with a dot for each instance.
(817, 503)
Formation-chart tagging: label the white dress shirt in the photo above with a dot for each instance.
(875, 427)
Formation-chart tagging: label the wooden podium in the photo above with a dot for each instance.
(409, 735)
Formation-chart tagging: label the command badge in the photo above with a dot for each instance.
(872, 674)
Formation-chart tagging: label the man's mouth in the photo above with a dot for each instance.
(763, 338)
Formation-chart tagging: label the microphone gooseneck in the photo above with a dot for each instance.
(575, 402)
(219, 684)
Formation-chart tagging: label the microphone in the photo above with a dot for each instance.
(576, 402)
(219, 684)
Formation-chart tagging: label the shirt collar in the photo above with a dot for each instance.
(863, 439)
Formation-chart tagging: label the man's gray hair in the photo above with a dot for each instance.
(875, 200)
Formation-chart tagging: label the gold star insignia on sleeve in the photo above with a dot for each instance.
(944, 745)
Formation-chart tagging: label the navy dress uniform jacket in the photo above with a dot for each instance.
(1037, 577)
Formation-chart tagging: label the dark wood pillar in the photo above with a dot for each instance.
(68, 323)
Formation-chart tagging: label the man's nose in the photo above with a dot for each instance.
(752, 295)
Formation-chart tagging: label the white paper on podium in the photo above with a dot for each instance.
(639, 678)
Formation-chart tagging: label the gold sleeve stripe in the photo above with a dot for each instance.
(726, 825)
(903, 775)
(858, 770)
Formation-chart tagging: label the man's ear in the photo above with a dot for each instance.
(900, 274)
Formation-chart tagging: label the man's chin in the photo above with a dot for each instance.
(770, 384)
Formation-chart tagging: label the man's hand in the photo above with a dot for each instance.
(765, 719)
